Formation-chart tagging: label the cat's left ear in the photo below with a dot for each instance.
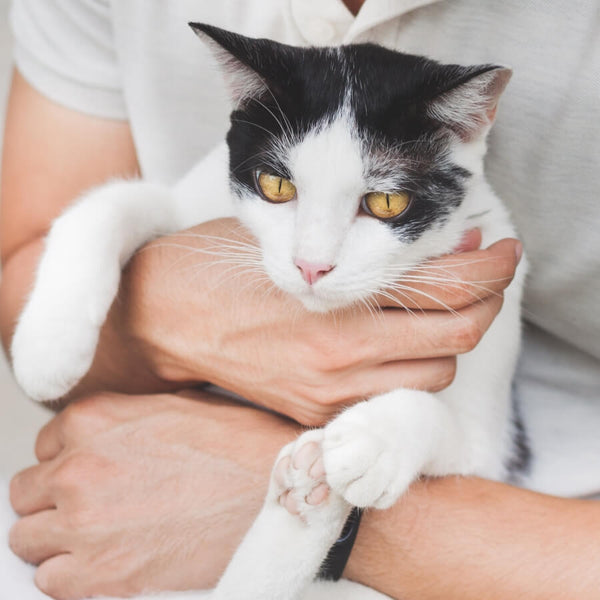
(469, 108)
(250, 66)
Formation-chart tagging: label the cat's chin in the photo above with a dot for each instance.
(322, 304)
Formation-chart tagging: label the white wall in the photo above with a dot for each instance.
(20, 418)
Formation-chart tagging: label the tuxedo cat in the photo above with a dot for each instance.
(351, 166)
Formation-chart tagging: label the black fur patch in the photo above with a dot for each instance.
(388, 93)
(519, 463)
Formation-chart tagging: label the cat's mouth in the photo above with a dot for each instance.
(314, 302)
(323, 298)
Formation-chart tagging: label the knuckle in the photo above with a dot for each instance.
(445, 375)
(86, 413)
(14, 491)
(15, 539)
(47, 581)
(76, 471)
(40, 442)
(72, 416)
(467, 334)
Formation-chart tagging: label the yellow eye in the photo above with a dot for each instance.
(386, 206)
(275, 188)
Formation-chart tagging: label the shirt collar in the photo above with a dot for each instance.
(329, 22)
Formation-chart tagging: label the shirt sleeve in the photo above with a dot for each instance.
(65, 50)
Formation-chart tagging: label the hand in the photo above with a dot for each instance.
(142, 493)
(150, 493)
(199, 318)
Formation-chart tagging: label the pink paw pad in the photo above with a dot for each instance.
(301, 477)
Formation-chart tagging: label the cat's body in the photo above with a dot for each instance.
(323, 120)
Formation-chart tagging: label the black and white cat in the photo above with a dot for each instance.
(350, 166)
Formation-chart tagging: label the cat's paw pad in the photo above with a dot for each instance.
(50, 356)
(361, 466)
(299, 483)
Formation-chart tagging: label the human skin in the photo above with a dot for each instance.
(196, 468)
(179, 321)
(151, 344)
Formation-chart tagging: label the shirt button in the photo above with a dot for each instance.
(321, 31)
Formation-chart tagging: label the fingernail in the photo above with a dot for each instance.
(519, 251)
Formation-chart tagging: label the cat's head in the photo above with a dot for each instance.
(352, 164)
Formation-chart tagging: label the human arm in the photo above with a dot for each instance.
(469, 538)
(168, 330)
(197, 469)
(51, 155)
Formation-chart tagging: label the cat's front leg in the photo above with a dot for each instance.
(77, 280)
(375, 449)
(300, 520)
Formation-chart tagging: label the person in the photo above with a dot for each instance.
(143, 485)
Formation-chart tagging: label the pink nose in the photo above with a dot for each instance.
(312, 272)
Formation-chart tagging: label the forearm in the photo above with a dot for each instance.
(471, 538)
(120, 363)
(51, 155)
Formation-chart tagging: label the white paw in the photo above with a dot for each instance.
(298, 482)
(365, 462)
(56, 337)
(51, 354)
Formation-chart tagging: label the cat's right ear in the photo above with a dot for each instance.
(250, 66)
(469, 106)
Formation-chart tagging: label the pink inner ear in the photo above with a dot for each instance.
(491, 112)
(471, 108)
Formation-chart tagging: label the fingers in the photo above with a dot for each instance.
(430, 375)
(49, 441)
(69, 577)
(398, 335)
(457, 280)
(37, 537)
(60, 577)
(30, 490)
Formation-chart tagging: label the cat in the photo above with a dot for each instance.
(350, 166)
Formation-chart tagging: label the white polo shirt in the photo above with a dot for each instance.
(138, 60)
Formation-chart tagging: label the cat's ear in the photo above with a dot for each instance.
(250, 66)
(469, 107)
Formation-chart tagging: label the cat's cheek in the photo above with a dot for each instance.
(274, 227)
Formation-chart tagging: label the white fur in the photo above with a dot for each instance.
(374, 449)
(17, 583)
(471, 105)
(78, 276)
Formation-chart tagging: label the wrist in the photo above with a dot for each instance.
(395, 549)
(132, 349)
(149, 320)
